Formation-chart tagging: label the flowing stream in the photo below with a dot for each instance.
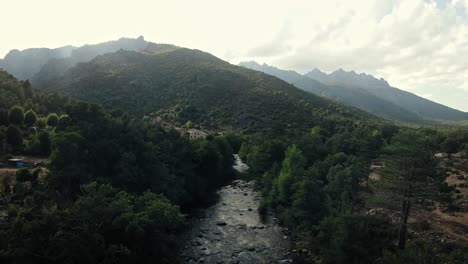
(232, 231)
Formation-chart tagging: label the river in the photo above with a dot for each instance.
(232, 231)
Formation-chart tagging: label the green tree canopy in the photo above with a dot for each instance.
(63, 122)
(30, 117)
(16, 115)
(291, 171)
(353, 238)
(41, 123)
(52, 120)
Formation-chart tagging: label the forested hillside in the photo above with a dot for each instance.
(111, 189)
(190, 85)
(349, 95)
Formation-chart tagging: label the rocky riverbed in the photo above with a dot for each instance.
(232, 231)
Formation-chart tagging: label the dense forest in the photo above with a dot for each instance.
(118, 189)
(115, 188)
(319, 186)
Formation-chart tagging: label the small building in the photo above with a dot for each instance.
(377, 165)
(441, 155)
(181, 130)
(18, 163)
(196, 134)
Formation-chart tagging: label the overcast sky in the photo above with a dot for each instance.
(417, 45)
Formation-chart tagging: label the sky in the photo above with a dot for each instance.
(416, 45)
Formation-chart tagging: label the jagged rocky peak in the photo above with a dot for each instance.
(343, 77)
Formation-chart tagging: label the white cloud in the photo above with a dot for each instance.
(278, 45)
(416, 45)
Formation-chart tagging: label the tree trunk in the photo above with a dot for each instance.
(405, 207)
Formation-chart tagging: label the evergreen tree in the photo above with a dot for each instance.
(3, 117)
(410, 176)
(27, 90)
(292, 170)
(6, 184)
(14, 136)
(44, 143)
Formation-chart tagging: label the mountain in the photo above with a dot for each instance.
(191, 85)
(381, 88)
(352, 96)
(24, 64)
(367, 93)
(41, 65)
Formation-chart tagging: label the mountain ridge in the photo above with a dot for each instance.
(191, 85)
(367, 93)
(41, 64)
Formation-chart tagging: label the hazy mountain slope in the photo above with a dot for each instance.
(24, 64)
(353, 96)
(381, 89)
(193, 85)
(56, 67)
(43, 64)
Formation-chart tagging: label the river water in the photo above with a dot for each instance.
(232, 231)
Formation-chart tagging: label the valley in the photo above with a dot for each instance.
(153, 152)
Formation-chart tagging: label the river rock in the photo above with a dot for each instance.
(251, 248)
(196, 243)
(221, 223)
